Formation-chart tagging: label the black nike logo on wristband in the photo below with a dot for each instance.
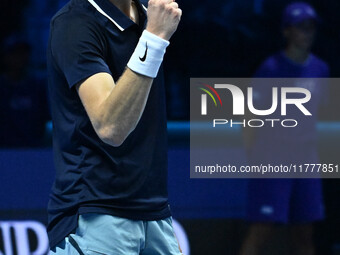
(146, 53)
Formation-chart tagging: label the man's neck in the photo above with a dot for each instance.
(297, 55)
(123, 5)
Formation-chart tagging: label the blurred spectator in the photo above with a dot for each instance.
(23, 100)
(297, 202)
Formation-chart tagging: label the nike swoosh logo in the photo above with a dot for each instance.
(145, 54)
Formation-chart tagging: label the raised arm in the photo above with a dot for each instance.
(115, 108)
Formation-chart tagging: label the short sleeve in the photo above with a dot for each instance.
(78, 48)
(267, 69)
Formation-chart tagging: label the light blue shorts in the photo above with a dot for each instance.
(109, 235)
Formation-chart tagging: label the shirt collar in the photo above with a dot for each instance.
(111, 12)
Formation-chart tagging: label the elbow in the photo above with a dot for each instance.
(112, 136)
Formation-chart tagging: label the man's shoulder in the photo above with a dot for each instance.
(75, 12)
(269, 66)
(273, 61)
(317, 61)
(74, 23)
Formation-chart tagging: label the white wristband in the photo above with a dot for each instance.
(148, 55)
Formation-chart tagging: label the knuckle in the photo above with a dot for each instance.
(162, 5)
(174, 5)
(168, 8)
(176, 11)
(179, 13)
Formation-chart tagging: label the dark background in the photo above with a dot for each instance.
(215, 39)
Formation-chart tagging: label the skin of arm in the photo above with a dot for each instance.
(115, 109)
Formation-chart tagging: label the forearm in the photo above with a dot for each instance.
(121, 111)
(115, 108)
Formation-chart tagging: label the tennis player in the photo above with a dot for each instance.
(297, 202)
(109, 128)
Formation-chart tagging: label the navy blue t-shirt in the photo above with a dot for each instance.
(279, 145)
(128, 181)
(280, 66)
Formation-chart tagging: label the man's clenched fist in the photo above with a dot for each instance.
(163, 18)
